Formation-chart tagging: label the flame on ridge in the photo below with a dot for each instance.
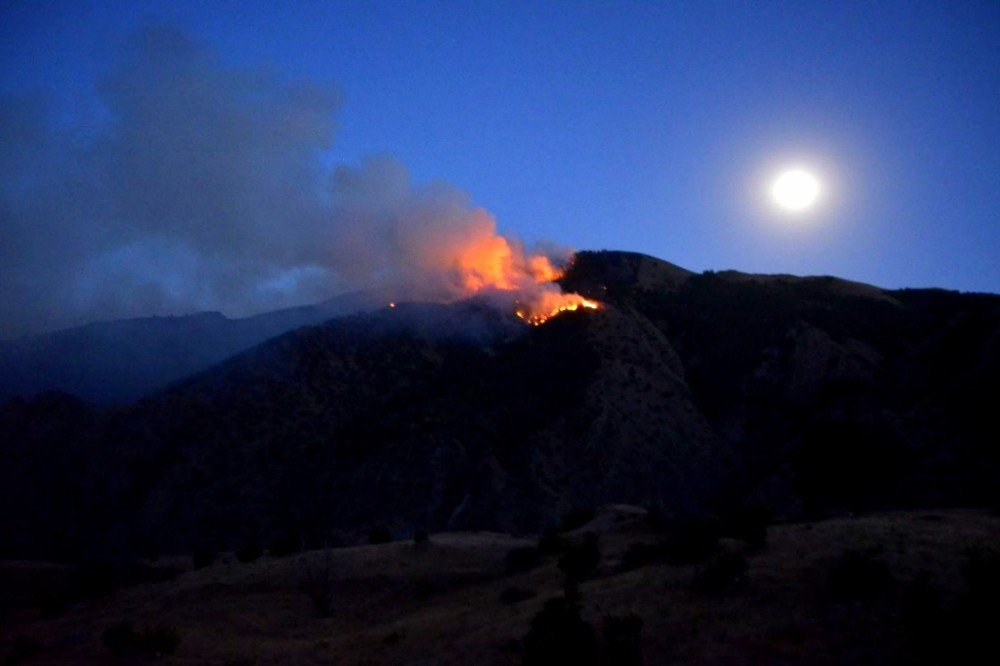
(454, 257)
(537, 318)
(499, 265)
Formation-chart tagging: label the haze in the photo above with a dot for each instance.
(164, 160)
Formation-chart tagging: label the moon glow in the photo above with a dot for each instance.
(795, 190)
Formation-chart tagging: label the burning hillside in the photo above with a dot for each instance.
(549, 304)
(452, 257)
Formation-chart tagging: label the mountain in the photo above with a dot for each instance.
(120, 361)
(690, 393)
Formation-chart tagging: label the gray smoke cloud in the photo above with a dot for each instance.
(203, 189)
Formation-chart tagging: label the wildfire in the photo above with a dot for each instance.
(458, 253)
(538, 313)
(494, 264)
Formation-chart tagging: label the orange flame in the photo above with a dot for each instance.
(462, 256)
(552, 304)
(493, 263)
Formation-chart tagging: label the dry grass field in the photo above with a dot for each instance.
(443, 601)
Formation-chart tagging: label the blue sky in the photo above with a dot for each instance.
(653, 127)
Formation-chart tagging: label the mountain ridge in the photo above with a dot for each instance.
(688, 392)
(119, 361)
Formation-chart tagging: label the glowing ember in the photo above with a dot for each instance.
(552, 305)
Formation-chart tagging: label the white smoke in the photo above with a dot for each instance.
(204, 190)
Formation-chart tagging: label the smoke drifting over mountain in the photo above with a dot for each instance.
(202, 187)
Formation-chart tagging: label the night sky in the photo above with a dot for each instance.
(164, 158)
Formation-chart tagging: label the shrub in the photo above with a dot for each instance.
(550, 543)
(202, 558)
(559, 635)
(123, 640)
(139, 572)
(656, 518)
(379, 535)
(515, 595)
(420, 536)
(22, 649)
(120, 639)
(720, 575)
(519, 560)
(622, 639)
(929, 631)
(93, 579)
(982, 577)
(978, 611)
(690, 541)
(422, 589)
(576, 518)
(249, 553)
(318, 584)
(859, 576)
(285, 545)
(159, 640)
(749, 524)
(922, 608)
(640, 554)
(580, 560)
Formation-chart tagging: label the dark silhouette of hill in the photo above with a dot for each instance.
(691, 393)
(120, 361)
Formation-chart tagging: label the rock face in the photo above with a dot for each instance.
(685, 391)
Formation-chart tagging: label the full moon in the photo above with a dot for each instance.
(795, 190)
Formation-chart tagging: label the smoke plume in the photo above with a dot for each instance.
(202, 188)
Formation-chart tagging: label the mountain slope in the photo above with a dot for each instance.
(120, 361)
(693, 393)
(834, 395)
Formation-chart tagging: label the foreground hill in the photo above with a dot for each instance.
(696, 394)
(896, 588)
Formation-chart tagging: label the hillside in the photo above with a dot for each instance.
(693, 393)
(121, 361)
(897, 588)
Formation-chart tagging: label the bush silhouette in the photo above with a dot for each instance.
(285, 545)
(720, 575)
(690, 541)
(559, 635)
(22, 649)
(859, 576)
(927, 626)
(519, 560)
(379, 535)
(95, 579)
(202, 558)
(749, 524)
(580, 560)
(123, 640)
(982, 578)
(136, 573)
(420, 536)
(318, 584)
(550, 543)
(576, 518)
(515, 595)
(978, 609)
(120, 639)
(249, 553)
(622, 636)
(640, 554)
(159, 640)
